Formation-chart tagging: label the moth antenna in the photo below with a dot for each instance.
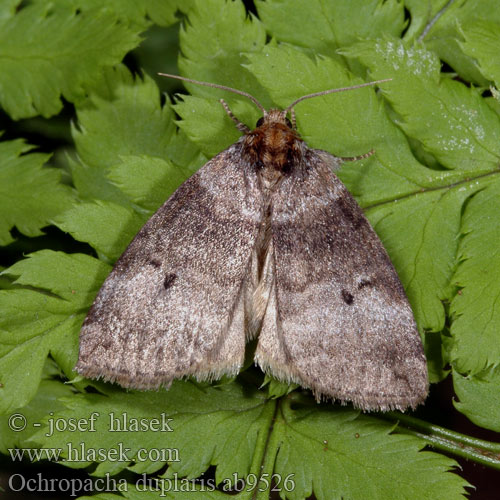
(294, 121)
(217, 86)
(240, 126)
(331, 91)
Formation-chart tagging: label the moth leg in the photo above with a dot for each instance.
(240, 126)
(356, 158)
(335, 162)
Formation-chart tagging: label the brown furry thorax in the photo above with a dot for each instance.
(274, 144)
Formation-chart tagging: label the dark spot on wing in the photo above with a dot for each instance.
(364, 282)
(155, 263)
(169, 280)
(347, 297)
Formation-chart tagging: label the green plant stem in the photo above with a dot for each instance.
(262, 461)
(267, 465)
(477, 450)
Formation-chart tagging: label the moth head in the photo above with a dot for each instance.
(274, 116)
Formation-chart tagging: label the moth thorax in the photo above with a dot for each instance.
(274, 146)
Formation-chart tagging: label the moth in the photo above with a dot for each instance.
(264, 242)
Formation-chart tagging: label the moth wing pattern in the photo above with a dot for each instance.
(338, 320)
(169, 309)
